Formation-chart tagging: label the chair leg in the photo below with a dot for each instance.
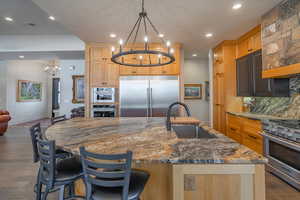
(38, 191)
(72, 190)
(62, 192)
(46, 193)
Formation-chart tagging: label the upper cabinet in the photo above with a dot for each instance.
(249, 43)
(102, 72)
(250, 82)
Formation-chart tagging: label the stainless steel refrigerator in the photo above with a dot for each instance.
(147, 96)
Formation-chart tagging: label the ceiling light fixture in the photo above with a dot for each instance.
(21, 56)
(53, 68)
(51, 18)
(208, 35)
(112, 35)
(236, 6)
(153, 57)
(9, 19)
(194, 55)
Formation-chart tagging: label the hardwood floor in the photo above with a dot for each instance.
(18, 173)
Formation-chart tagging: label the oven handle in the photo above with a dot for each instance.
(283, 142)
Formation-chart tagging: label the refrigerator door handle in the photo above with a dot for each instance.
(151, 108)
(148, 101)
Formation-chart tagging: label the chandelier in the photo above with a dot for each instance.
(52, 68)
(145, 57)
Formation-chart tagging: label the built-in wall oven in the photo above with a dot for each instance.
(282, 148)
(103, 95)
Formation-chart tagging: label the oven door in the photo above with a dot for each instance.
(283, 155)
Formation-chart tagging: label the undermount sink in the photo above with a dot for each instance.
(188, 131)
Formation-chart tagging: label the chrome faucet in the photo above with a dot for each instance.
(168, 122)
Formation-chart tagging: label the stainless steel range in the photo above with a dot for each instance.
(282, 148)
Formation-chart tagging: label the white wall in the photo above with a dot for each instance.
(196, 71)
(66, 82)
(25, 70)
(2, 85)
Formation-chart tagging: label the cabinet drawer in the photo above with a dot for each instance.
(234, 120)
(252, 126)
(253, 141)
(234, 133)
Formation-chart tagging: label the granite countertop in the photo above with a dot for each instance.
(258, 116)
(149, 141)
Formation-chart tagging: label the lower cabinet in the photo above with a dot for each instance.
(245, 131)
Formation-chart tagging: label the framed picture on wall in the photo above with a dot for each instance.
(192, 91)
(29, 91)
(78, 89)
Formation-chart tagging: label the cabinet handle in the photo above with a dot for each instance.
(253, 137)
(134, 72)
(104, 83)
(233, 129)
(164, 72)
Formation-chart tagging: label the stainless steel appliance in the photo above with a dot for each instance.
(147, 96)
(103, 111)
(282, 148)
(103, 95)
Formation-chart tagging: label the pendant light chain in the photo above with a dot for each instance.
(163, 58)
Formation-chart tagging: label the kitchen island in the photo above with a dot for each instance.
(202, 169)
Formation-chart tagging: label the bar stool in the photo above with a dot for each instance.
(56, 175)
(58, 119)
(113, 180)
(35, 134)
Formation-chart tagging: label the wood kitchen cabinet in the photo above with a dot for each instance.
(104, 74)
(250, 81)
(249, 42)
(245, 131)
(224, 84)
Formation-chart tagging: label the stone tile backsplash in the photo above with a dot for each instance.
(281, 35)
(288, 107)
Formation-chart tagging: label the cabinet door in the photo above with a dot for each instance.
(112, 74)
(257, 41)
(280, 87)
(134, 71)
(101, 54)
(98, 74)
(243, 48)
(262, 87)
(244, 76)
(104, 74)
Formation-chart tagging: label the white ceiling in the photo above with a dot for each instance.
(24, 12)
(43, 55)
(180, 20)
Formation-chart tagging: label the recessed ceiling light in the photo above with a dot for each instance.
(161, 35)
(112, 35)
(21, 57)
(9, 19)
(236, 6)
(208, 35)
(51, 18)
(194, 55)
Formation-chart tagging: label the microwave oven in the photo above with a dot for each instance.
(103, 95)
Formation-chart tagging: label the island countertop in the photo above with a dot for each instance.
(149, 141)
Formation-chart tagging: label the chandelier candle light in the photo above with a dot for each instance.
(163, 58)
